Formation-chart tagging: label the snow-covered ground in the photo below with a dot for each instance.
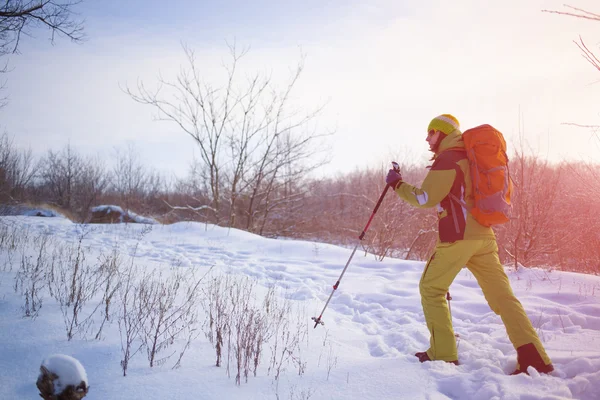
(373, 326)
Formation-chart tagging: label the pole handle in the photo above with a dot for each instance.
(396, 168)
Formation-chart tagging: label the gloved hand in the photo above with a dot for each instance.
(393, 178)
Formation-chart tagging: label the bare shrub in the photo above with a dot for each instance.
(242, 318)
(331, 354)
(74, 283)
(233, 320)
(11, 236)
(251, 325)
(109, 269)
(171, 305)
(132, 315)
(30, 279)
(331, 359)
(240, 324)
(296, 393)
(216, 308)
(289, 331)
(263, 331)
(191, 332)
(302, 394)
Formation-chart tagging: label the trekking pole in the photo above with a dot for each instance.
(360, 238)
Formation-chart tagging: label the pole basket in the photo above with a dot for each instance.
(317, 321)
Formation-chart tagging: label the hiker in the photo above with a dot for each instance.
(462, 241)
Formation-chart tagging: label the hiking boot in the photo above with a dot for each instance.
(528, 356)
(423, 356)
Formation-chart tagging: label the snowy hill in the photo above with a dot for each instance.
(373, 325)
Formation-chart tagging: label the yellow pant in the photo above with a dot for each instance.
(481, 258)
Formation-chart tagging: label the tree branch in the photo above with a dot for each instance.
(21, 13)
(583, 13)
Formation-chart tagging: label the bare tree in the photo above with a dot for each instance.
(17, 170)
(20, 17)
(577, 12)
(583, 14)
(92, 184)
(577, 221)
(129, 177)
(278, 170)
(71, 181)
(529, 239)
(245, 131)
(586, 174)
(60, 171)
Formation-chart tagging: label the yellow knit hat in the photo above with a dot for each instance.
(445, 123)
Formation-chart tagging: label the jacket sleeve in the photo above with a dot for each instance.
(435, 187)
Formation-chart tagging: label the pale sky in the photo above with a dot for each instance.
(384, 69)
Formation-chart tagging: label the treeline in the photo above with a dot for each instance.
(556, 215)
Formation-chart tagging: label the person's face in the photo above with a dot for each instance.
(432, 138)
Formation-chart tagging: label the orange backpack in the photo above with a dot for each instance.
(491, 183)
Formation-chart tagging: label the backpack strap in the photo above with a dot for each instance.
(459, 201)
(457, 149)
(451, 195)
(450, 158)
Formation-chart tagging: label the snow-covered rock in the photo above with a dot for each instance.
(110, 214)
(30, 211)
(62, 377)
